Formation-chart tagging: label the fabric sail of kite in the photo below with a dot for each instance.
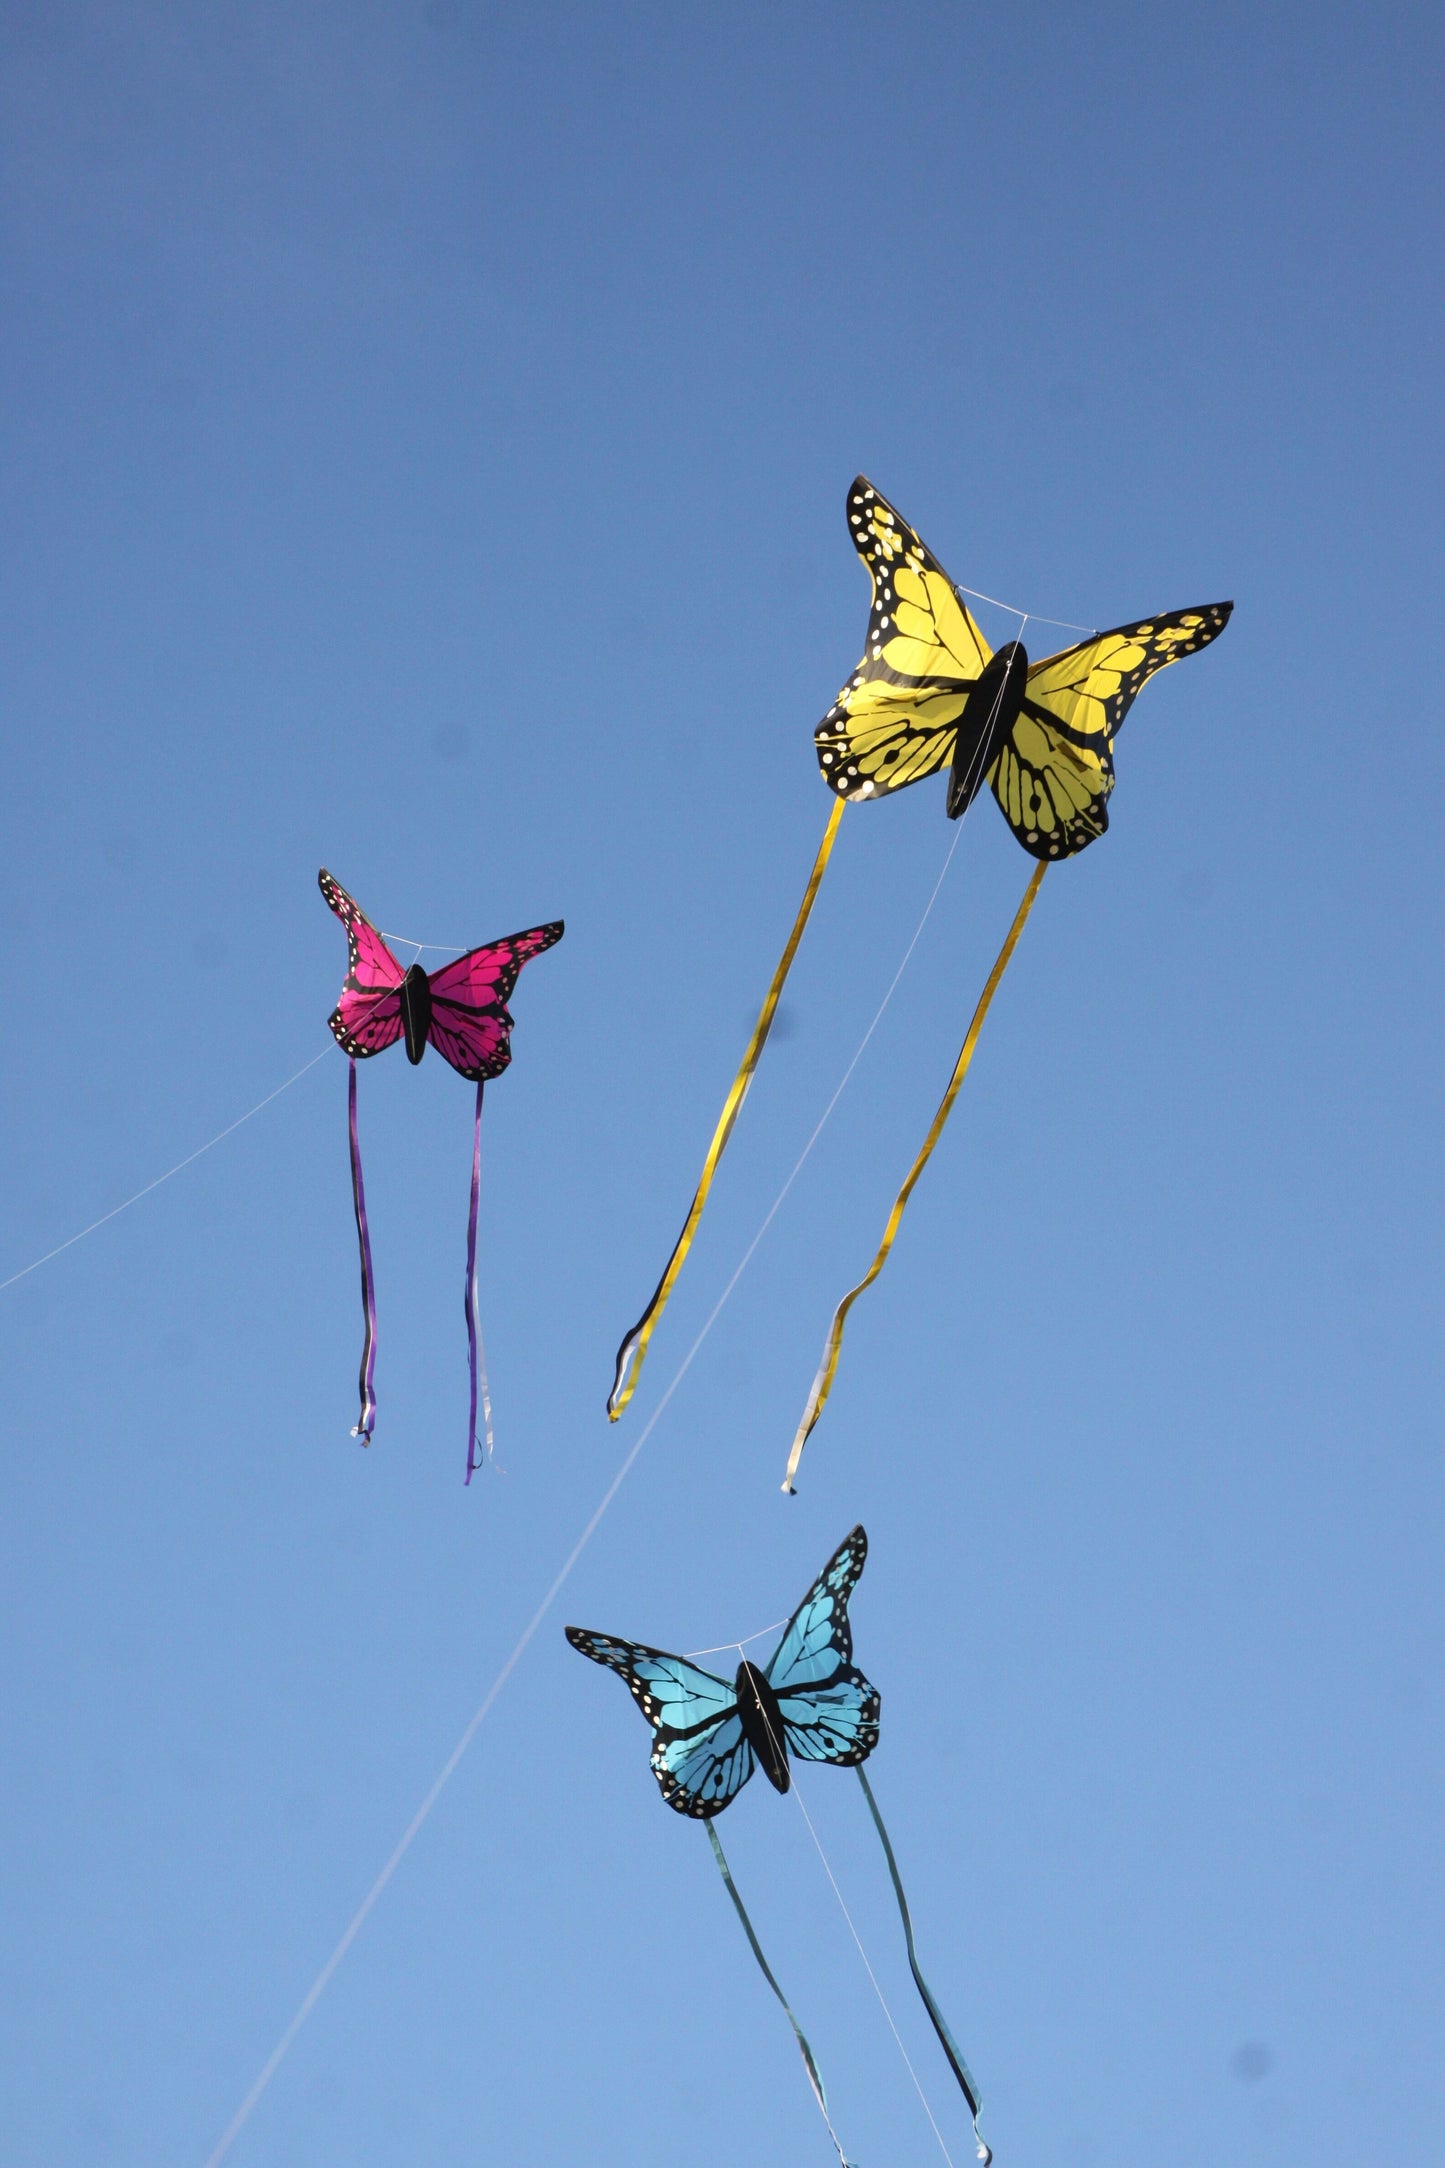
(929, 695)
(461, 1010)
(809, 1703)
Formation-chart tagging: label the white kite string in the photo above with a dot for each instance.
(438, 948)
(323, 1978)
(882, 1998)
(1062, 622)
(241, 1119)
(201, 1150)
(746, 1642)
(180, 1165)
(780, 1749)
(413, 1828)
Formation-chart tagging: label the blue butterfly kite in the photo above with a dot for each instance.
(812, 1703)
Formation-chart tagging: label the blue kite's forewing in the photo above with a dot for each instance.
(830, 1711)
(818, 1639)
(699, 1755)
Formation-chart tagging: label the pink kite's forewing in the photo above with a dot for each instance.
(470, 1026)
(484, 977)
(367, 1018)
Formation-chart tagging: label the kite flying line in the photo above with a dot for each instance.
(632, 1353)
(810, 2063)
(413, 1829)
(448, 1769)
(179, 1167)
(873, 1977)
(970, 2091)
(959, 2067)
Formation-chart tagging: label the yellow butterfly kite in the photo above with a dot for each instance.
(929, 694)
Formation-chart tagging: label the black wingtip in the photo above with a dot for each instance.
(335, 897)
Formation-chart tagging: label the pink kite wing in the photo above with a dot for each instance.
(367, 1018)
(470, 1026)
(477, 1044)
(485, 976)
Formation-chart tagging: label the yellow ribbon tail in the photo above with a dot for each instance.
(633, 1351)
(823, 1382)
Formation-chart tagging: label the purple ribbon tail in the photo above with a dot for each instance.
(367, 1422)
(474, 1314)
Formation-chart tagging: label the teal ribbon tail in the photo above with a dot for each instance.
(950, 2046)
(815, 2078)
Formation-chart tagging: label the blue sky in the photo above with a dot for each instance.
(425, 436)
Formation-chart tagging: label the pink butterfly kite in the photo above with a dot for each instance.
(461, 1010)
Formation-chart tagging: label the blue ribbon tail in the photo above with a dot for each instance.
(815, 2078)
(950, 2046)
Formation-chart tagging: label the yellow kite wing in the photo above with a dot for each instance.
(895, 719)
(1053, 777)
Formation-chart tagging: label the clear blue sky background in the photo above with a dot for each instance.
(425, 437)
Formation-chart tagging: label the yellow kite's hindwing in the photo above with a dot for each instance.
(896, 718)
(1053, 794)
(881, 736)
(1053, 777)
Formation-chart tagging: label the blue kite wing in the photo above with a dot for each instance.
(818, 1641)
(700, 1755)
(830, 1711)
(701, 1776)
(833, 1723)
